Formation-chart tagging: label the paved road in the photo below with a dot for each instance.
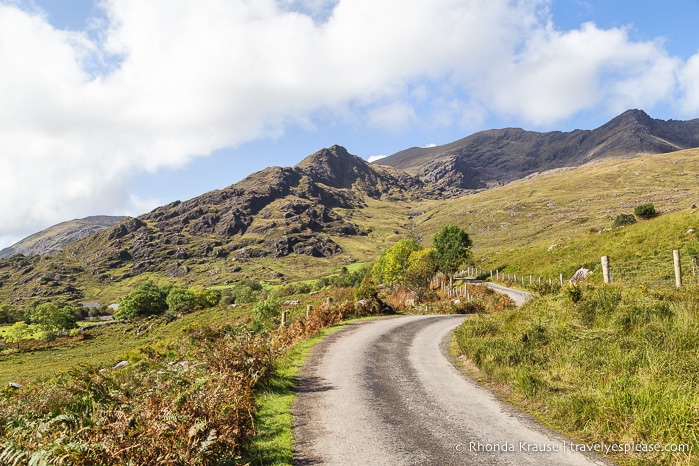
(519, 297)
(382, 392)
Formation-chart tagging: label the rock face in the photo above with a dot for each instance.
(495, 157)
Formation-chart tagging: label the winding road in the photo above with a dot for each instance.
(382, 392)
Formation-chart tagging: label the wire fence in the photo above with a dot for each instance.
(657, 272)
(670, 271)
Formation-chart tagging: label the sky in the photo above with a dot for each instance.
(114, 107)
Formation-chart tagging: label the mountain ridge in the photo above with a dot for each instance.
(331, 209)
(54, 238)
(499, 156)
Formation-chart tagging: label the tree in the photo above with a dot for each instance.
(19, 332)
(51, 317)
(9, 314)
(146, 299)
(180, 299)
(422, 265)
(393, 263)
(452, 248)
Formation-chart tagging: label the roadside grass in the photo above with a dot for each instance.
(619, 366)
(273, 441)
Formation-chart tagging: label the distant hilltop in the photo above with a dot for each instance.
(53, 239)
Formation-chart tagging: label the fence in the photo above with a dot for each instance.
(661, 271)
(652, 272)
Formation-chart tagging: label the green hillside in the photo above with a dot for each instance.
(556, 222)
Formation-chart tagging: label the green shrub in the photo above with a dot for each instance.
(623, 219)
(645, 211)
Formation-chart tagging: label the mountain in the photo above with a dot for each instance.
(277, 213)
(53, 239)
(333, 208)
(496, 157)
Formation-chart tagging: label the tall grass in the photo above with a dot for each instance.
(190, 401)
(618, 366)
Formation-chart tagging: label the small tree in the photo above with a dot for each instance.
(51, 317)
(645, 211)
(19, 332)
(421, 268)
(452, 248)
(264, 313)
(180, 299)
(393, 263)
(146, 299)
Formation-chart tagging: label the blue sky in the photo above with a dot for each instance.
(118, 106)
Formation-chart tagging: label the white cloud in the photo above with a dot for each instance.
(689, 82)
(186, 78)
(430, 145)
(374, 158)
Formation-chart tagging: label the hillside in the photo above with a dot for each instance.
(270, 226)
(285, 224)
(562, 219)
(496, 157)
(53, 239)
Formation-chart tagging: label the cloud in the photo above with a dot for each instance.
(374, 158)
(155, 84)
(689, 83)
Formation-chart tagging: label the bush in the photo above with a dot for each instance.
(623, 219)
(147, 299)
(264, 312)
(645, 211)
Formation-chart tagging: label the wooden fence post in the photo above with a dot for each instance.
(678, 268)
(605, 270)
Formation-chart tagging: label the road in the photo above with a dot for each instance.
(383, 392)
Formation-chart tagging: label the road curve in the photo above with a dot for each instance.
(382, 392)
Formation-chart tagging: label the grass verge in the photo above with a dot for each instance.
(616, 367)
(273, 441)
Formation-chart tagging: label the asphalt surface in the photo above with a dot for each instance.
(383, 392)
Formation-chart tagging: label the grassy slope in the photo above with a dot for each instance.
(514, 225)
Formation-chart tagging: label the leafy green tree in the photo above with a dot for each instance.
(180, 299)
(264, 312)
(245, 291)
(452, 248)
(393, 263)
(10, 314)
(146, 299)
(206, 298)
(51, 317)
(422, 265)
(19, 332)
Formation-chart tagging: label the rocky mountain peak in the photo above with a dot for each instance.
(335, 166)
